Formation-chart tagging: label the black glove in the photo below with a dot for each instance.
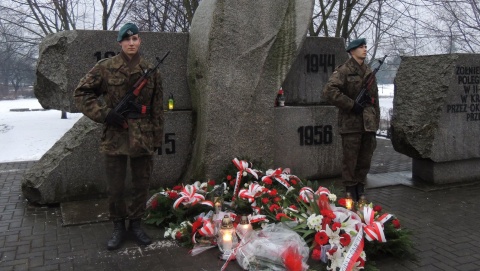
(357, 108)
(113, 118)
(136, 107)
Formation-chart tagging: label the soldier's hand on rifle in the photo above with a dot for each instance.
(113, 118)
(136, 107)
(357, 108)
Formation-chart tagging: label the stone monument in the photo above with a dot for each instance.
(436, 116)
(226, 109)
(239, 56)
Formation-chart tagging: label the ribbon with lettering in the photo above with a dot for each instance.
(353, 252)
(242, 166)
(374, 229)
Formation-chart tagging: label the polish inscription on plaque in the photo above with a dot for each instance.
(468, 79)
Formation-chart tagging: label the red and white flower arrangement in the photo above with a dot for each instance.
(334, 234)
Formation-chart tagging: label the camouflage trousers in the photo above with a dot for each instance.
(357, 156)
(116, 170)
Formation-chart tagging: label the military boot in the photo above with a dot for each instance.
(118, 235)
(140, 235)
(360, 189)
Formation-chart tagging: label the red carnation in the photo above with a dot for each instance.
(229, 177)
(178, 235)
(326, 221)
(316, 254)
(274, 207)
(293, 181)
(377, 208)
(342, 202)
(292, 260)
(277, 199)
(265, 200)
(154, 203)
(327, 213)
(321, 238)
(211, 183)
(345, 239)
(232, 183)
(396, 223)
(280, 215)
(177, 187)
(267, 180)
(336, 225)
(273, 192)
(172, 194)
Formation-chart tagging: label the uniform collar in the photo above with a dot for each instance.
(359, 69)
(131, 63)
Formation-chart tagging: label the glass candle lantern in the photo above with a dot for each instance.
(171, 102)
(244, 228)
(362, 202)
(227, 239)
(217, 201)
(349, 201)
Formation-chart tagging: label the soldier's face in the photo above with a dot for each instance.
(359, 52)
(131, 45)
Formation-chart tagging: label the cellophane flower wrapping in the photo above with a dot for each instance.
(276, 247)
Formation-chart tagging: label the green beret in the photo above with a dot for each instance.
(356, 43)
(129, 29)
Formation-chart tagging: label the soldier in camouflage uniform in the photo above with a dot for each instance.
(111, 79)
(357, 124)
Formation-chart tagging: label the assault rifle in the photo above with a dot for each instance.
(363, 97)
(125, 105)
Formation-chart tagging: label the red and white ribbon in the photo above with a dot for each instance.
(374, 229)
(257, 218)
(277, 175)
(189, 195)
(353, 252)
(241, 166)
(254, 190)
(322, 191)
(207, 229)
(306, 194)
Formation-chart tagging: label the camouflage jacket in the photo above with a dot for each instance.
(342, 88)
(103, 87)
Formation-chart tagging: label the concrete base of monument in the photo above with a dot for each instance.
(439, 173)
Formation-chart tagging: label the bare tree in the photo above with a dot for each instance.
(461, 21)
(116, 11)
(16, 59)
(164, 16)
(42, 17)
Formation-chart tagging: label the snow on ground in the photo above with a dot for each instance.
(26, 136)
